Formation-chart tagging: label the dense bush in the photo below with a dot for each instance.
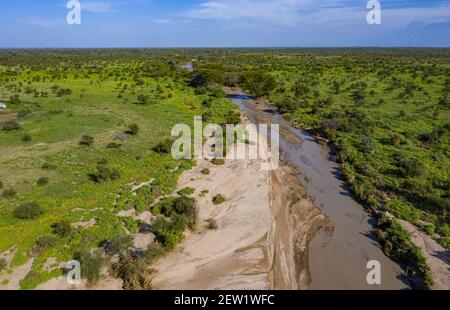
(186, 207)
(105, 173)
(179, 213)
(168, 233)
(91, 265)
(46, 242)
(257, 83)
(118, 244)
(87, 140)
(26, 137)
(211, 224)
(218, 199)
(153, 253)
(42, 181)
(3, 264)
(130, 224)
(143, 99)
(411, 167)
(403, 210)
(398, 245)
(218, 162)
(134, 273)
(186, 191)
(63, 229)
(164, 147)
(133, 129)
(397, 139)
(205, 171)
(28, 211)
(11, 125)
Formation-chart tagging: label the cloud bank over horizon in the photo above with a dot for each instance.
(225, 23)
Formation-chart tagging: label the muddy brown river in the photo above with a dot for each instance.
(338, 259)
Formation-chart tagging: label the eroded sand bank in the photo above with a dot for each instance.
(264, 229)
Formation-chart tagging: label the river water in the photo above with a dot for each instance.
(338, 259)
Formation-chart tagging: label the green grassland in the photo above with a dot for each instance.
(105, 95)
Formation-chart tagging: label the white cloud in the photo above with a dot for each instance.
(96, 7)
(294, 13)
(162, 21)
(41, 22)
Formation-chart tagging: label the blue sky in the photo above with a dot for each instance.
(224, 23)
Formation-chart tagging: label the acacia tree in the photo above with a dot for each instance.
(257, 82)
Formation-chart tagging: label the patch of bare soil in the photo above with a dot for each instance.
(264, 229)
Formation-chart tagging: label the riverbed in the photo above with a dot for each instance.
(337, 259)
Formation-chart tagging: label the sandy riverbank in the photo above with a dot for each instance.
(264, 229)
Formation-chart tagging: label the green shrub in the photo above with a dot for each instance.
(46, 242)
(218, 162)
(398, 245)
(133, 129)
(430, 229)
(42, 181)
(1, 184)
(118, 244)
(397, 139)
(218, 199)
(87, 140)
(134, 273)
(164, 206)
(444, 230)
(91, 266)
(372, 202)
(164, 147)
(169, 233)
(11, 125)
(63, 229)
(445, 242)
(130, 224)
(143, 99)
(153, 253)
(26, 137)
(211, 224)
(204, 192)
(139, 203)
(3, 264)
(28, 211)
(257, 82)
(105, 173)
(186, 191)
(403, 210)
(412, 168)
(187, 207)
(205, 171)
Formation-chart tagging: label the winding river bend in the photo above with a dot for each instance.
(338, 259)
